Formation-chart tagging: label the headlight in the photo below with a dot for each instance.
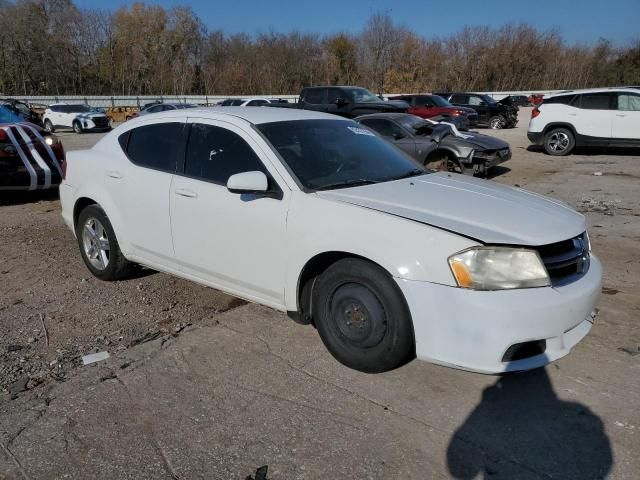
(51, 140)
(480, 154)
(498, 268)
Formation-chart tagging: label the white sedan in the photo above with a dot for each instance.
(316, 216)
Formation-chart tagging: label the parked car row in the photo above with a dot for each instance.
(320, 217)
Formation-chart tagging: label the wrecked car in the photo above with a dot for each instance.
(491, 113)
(439, 145)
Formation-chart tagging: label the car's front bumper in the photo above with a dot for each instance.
(473, 330)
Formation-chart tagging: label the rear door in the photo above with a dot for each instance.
(594, 115)
(139, 179)
(626, 120)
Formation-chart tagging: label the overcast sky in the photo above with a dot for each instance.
(581, 21)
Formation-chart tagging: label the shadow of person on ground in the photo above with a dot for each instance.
(521, 429)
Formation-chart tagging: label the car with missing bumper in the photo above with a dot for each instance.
(439, 145)
(317, 216)
(30, 158)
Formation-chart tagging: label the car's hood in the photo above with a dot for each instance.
(479, 209)
(90, 115)
(390, 105)
(477, 141)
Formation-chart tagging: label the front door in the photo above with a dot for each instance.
(233, 241)
(626, 120)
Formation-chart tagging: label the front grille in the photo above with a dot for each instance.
(101, 122)
(566, 261)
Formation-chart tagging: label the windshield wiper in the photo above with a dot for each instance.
(347, 183)
(411, 173)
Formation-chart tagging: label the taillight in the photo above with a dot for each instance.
(63, 167)
(535, 112)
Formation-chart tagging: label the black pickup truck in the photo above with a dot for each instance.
(347, 102)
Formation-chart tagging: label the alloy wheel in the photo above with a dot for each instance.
(95, 243)
(559, 141)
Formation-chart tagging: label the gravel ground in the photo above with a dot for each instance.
(52, 311)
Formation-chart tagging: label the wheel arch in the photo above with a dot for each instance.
(81, 204)
(552, 125)
(311, 270)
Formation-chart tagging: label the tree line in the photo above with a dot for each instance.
(53, 47)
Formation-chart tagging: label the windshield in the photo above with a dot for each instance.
(488, 99)
(362, 95)
(79, 109)
(327, 154)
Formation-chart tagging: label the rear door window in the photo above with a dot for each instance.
(159, 146)
(596, 101)
(461, 99)
(314, 96)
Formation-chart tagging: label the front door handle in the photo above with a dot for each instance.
(620, 115)
(186, 193)
(114, 174)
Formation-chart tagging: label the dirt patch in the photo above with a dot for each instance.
(52, 311)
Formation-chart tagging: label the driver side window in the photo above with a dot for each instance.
(215, 153)
(384, 127)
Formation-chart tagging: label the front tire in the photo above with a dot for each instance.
(48, 126)
(99, 246)
(77, 127)
(362, 316)
(559, 142)
(497, 122)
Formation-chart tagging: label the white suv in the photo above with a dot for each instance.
(608, 117)
(80, 117)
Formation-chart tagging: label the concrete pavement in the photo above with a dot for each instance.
(252, 388)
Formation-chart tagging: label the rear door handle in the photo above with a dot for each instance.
(114, 174)
(186, 193)
(620, 115)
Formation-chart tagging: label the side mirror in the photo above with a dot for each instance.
(398, 136)
(341, 101)
(248, 182)
(483, 103)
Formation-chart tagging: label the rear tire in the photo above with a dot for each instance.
(48, 126)
(559, 142)
(99, 246)
(362, 316)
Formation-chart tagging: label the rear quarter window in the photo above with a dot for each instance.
(159, 146)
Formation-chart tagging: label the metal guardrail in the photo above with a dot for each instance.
(139, 100)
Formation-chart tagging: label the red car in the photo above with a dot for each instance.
(437, 108)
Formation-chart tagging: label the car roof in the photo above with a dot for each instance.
(594, 90)
(254, 115)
